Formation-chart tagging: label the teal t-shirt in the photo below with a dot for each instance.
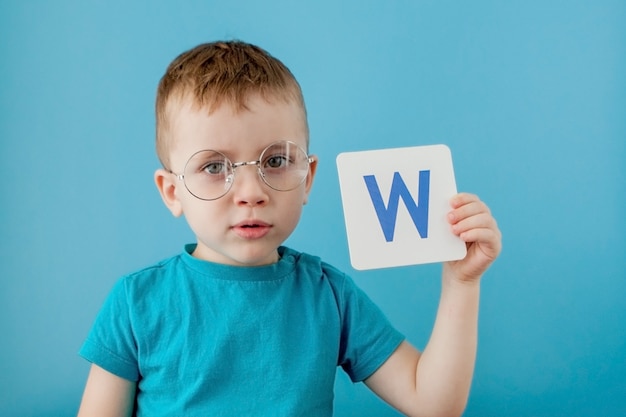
(208, 339)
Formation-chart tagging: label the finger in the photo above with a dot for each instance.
(488, 241)
(475, 221)
(467, 210)
(480, 235)
(462, 199)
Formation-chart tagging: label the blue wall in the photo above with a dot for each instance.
(530, 96)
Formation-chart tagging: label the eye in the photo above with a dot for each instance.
(276, 161)
(214, 168)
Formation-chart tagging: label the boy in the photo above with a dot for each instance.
(238, 325)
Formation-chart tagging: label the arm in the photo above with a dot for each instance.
(107, 395)
(437, 381)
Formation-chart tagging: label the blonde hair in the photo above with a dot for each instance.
(221, 72)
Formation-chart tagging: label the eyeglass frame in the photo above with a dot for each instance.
(234, 165)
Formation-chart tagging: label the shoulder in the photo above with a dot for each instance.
(313, 267)
(146, 279)
(306, 262)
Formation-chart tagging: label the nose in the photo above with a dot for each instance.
(248, 187)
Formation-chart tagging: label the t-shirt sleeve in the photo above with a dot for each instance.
(110, 343)
(367, 337)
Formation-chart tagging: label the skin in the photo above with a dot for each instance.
(434, 382)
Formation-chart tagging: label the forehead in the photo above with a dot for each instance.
(232, 129)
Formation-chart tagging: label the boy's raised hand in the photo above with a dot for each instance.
(471, 220)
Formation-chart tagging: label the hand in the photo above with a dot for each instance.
(471, 220)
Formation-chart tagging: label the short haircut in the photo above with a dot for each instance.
(215, 73)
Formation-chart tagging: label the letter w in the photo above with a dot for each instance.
(387, 215)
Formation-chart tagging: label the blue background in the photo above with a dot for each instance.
(529, 95)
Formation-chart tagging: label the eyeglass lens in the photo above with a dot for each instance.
(209, 174)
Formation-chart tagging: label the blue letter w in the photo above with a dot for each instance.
(387, 215)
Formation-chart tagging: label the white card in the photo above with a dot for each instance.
(395, 203)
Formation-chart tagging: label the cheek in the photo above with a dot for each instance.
(292, 216)
(200, 213)
(303, 197)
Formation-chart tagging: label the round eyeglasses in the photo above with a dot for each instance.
(209, 174)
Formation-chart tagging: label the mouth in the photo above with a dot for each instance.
(251, 224)
(251, 229)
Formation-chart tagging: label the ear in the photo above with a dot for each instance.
(166, 183)
(309, 179)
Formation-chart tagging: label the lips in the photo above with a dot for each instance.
(251, 229)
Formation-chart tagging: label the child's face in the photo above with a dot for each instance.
(248, 223)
